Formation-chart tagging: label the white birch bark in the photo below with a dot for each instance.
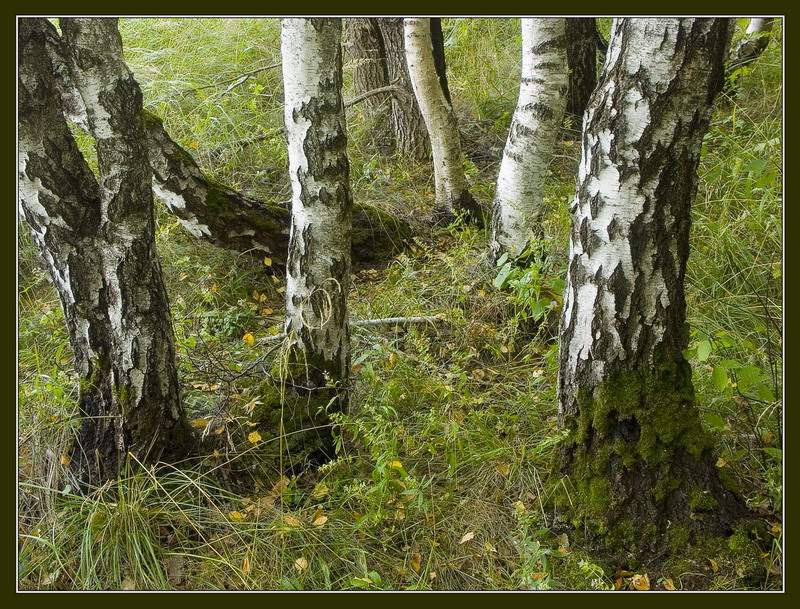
(452, 191)
(540, 108)
(318, 266)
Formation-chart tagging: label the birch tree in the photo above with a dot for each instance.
(97, 241)
(517, 207)
(212, 211)
(318, 267)
(636, 454)
(452, 191)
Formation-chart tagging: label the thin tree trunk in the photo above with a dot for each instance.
(364, 44)
(213, 211)
(754, 43)
(318, 269)
(452, 192)
(408, 126)
(636, 454)
(517, 208)
(582, 39)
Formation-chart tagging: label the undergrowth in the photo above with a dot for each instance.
(443, 461)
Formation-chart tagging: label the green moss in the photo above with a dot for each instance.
(635, 428)
(678, 537)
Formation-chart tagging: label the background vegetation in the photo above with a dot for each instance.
(443, 475)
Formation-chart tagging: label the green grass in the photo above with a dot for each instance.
(443, 470)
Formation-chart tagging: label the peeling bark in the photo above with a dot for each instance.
(636, 451)
(582, 42)
(149, 421)
(213, 211)
(408, 126)
(452, 191)
(517, 207)
(318, 268)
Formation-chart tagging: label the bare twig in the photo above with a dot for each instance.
(241, 77)
(392, 88)
(371, 323)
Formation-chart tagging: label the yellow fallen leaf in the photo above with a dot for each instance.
(395, 464)
(246, 565)
(266, 311)
(721, 462)
(267, 261)
(236, 516)
(416, 561)
(254, 437)
(503, 469)
(219, 431)
(291, 521)
(668, 584)
(319, 518)
(714, 565)
(301, 564)
(467, 537)
(641, 582)
(199, 423)
(249, 339)
(519, 507)
(65, 460)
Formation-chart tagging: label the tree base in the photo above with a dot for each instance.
(465, 204)
(637, 468)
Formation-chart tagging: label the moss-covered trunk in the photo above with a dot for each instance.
(636, 452)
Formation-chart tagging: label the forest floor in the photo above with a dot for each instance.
(443, 477)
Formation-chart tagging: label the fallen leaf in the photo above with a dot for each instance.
(249, 339)
(301, 564)
(669, 585)
(416, 561)
(265, 311)
(199, 423)
(618, 583)
(503, 469)
(65, 460)
(236, 516)
(254, 437)
(467, 537)
(519, 507)
(721, 462)
(319, 518)
(641, 582)
(714, 565)
(432, 575)
(291, 521)
(267, 261)
(246, 565)
(395, 464)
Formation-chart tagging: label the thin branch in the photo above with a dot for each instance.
(371, 323)
(243, 77)
(373, 92)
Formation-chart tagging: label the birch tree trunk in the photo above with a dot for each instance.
(517, 207)
(581, 34)
(128, 398)
(212, 211)
(149, 421)
(636, 454)
(408, 126)
(318, 268)
(452, 192)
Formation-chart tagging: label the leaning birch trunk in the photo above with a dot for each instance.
(639, 462)
(149, 420)
(212, 211)
(754, 43)
(452, 192)
(517, 207)
(318, 267)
